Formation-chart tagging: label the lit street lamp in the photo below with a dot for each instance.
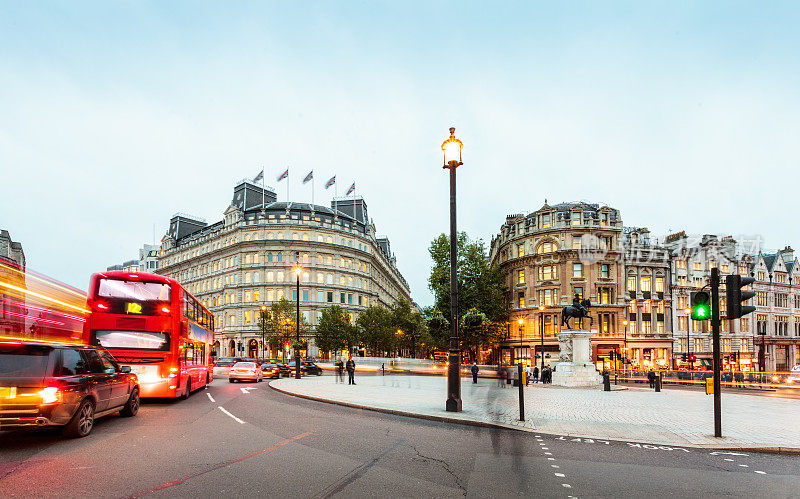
(541, 331)
(452, 160)
(263, 324)
(297, 270)
(688, 312)
(521, 323)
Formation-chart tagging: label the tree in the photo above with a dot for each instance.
(408, 325)
(375, 328)
(279, 323)
(334, 330)
(480, 287)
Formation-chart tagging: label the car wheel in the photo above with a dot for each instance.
(231, 380)
(132, 406)
(82, 422)
(188, 390)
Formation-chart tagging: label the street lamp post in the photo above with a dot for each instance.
(297, 271)
(541, 332)
(521, 323)
(263, 324)
(452, 160)
(688, 312)
(625, 347)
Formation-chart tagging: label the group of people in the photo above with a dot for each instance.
(504, 373)
(350, 366)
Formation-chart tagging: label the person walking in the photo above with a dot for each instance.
(651, 377)
(501, 375)
(536, 374)
(474, 372)
(351, 371)
(339, 370)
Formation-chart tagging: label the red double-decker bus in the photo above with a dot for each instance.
(150, 323)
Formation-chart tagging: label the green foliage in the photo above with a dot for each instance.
(279, 323)
(481, 293)
(334, 330)
(375, 329)
(409, 326)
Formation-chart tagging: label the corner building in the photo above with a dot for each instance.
(549, 256)
(246, 260)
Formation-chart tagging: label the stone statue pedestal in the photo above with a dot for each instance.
(575, 367)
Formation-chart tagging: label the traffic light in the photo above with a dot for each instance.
(683, 357)
(701, 305)
(735, 296)
(692, 358)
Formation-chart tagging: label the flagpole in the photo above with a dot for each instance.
(287, 191)
(312, 190)
(263, 201)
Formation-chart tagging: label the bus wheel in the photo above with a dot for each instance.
(208, 379)
(188, 390)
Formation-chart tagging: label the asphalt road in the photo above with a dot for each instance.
(266, 443)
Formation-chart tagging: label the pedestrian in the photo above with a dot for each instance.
(501, 375)
(339, 370)
(528, 374)
(351, 371)
(474, 371)
(651, 377)
(536, 374)
(383, 368)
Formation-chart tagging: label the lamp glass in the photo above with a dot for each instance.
(452, 151)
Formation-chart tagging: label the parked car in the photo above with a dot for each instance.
(271, 370)
(62, 385)
(245, 371)
(285, 371)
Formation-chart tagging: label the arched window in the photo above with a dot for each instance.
(269, 257)
(547, 247)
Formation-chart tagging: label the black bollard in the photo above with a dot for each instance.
(658, 382)
(606, 382)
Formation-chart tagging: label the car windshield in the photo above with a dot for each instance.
(133, 290)
(24, 361)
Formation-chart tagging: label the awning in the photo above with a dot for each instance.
(705, 362)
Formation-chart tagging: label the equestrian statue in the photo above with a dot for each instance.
(579, 309)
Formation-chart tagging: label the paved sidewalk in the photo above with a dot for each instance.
(676, 418)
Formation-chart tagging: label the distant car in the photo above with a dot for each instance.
(271, 370)
(245, 371)
(285, 371)
(62, 385)
(794, 376)
(306, 367)
(223, 365)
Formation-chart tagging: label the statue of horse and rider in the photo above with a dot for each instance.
(578, 310)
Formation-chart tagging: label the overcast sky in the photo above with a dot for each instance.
(115, 116)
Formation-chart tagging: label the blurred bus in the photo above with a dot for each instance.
(152, 324)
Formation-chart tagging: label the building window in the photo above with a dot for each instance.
(547, 297)
(546, 221)
(631, 283)
(781, 300)
(743, 344)
(646, 306)
(520, 250)
(744, 325)
(725, 269)
(605, 296)
(761, 298)
(329, 297)
(780, 278)
(341, 297)
(605, 271)
(659, 281)
(547, 272)
(698, 266)
(660, 327)
(577, 290)
(520, 277)
(698, 345)
(577, 270)
(726, 344)
(576, 242)
(660, 307)
(521, 300)
(305, 295)
(682, 323)
(546, 248)
(762, 276)
(645, 284)
(632, 307)
(349, 298)
(680, 264)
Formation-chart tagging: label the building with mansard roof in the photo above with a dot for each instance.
(246, 260)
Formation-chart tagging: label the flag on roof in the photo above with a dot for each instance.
(351, 189)
(330, 182)
(259, 176)
(309, 176)
(283, 175)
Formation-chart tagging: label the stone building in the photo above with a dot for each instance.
(648, 338)
(246, 260)
(549, 256)
(147, 262)
(777, 315)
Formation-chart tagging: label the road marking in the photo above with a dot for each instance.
(551, 459)
(247, 389)
(554, 466)
(743, 466)
(220, 465)
(729, 459)
(545, 448)
(566, 486)
(559, 475)
(761, 472)
(210, 397)
(231, 415)
(548, 453)
(717, 453)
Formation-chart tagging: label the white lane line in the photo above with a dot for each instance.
(743, 466)
(538, 436)
(761, 472)
(554, 466)
(559, 475)
(566, 485)
(545, 448)
(210, 397)
(551, 459)
(231, 415)
(548, 453)
(729, 460)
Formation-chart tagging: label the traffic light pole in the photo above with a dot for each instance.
(715, 326)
